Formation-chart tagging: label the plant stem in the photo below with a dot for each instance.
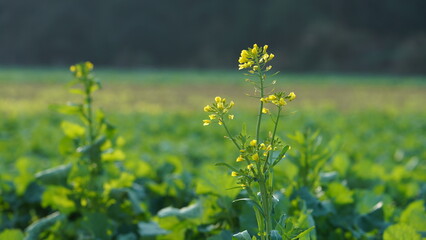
(229, 134)
(259, 117)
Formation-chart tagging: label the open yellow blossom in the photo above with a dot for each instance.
(218, 99)
(234, 174)
(282, 102)
(212, 116)
(231, 104)
(206, 122)
(255, 157)
(230, 116)
(265, 110)
(291, 96)
(240, 158)
(253, 142)
(272, 97)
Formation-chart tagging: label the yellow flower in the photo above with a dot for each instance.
(240, 158)
(89, 65)
(268, 68)
(272, 97)
(73, 68)
(220, 122)
(212, 116)
(230, 116)
(271, 56)
(231, 104)
(244, 53)
(291, 96)
(207, 108)
(255, 157)
(265, 110)
(255, 68)
(250, 166)
(78, 74)
(253, 142)
(282, 102)
(234, 174)
(206, 122)
(218, 99)
(265, 48)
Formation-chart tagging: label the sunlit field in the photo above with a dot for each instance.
(373, 128)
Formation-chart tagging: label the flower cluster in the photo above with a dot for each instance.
(255, 58)
(278, 99)
(81, 69)
(219, 110)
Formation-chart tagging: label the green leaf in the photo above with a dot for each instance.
(251, 202)
(57, 198)
(244, 235)
(54, 176)
(303, 233)
(275, 235)
(70, 108)
(150, 229)
(227, 165)
(11, 234)
(72, 130)
(97, 224)
(340, 193)
(281, 155)
(415, 216)
(401, 231)
(77, 91)
(191, 211)
(34, 230)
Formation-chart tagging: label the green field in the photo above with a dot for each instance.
(373, 129)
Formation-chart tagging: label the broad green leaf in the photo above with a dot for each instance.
(11, 234)
(244, 235)
(57, 198)
(128, 236)
(401, 232)
(35, 229)
(72, 130)
(223, 235)
(191, 211)
(70, 108)
(275, 235)
(54, 176)
(97, 224)
(340, 193)
(150, 229)
(415, 216)
(25, 177)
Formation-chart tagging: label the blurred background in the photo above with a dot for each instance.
(352, 36)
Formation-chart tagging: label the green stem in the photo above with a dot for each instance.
(259, 116)
(229, 134)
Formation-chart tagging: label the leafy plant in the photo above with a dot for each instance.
(260, 153)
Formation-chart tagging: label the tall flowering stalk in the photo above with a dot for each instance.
(259, 154)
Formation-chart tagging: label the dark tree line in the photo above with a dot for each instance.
(306, 35)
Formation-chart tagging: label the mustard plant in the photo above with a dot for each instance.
(258, 155)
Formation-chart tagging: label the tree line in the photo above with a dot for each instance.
(306, 35)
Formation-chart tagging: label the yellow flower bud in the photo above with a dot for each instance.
(272, 97)
(234, 174)
(73, 68)
(282, 102)
(206, 122)
(89, 65)
(255, 157)
(231, 104)
(262, 146)
(250, 166)
(291, 96)
(265, 48)
(207, 108)
(268, 68)
(271, 56)
(255, 68)
(230, 116)
(212, 116)
(218, 99)
(253, 142)
(244, 53)
(240, 158)
(265, 110)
